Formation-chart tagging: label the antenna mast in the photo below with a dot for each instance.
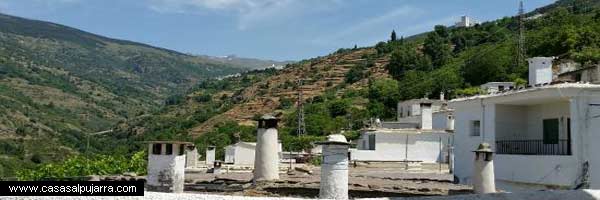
(301, 126)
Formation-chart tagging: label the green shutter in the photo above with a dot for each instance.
(551, 131)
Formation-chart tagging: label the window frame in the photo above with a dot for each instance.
(168, 149)
(474, 130)
(552, 134)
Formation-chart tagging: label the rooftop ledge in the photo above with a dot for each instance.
(558, 86)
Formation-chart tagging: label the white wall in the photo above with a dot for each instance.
(244, 155)
(440, 120)
(537, 169)
(536, 114)
(230, 154)
(588, 123)
(511, 122)
(464, 144)
(392, 146)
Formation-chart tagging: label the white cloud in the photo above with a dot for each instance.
(248, 12)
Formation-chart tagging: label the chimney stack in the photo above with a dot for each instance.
(483, 171)
(426, 116)
(266, 162)
(540, 70)
(334, 170)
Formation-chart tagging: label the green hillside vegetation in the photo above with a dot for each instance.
(58, 83)
(450, 60)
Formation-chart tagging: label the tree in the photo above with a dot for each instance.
(382, 48)
(384, 91)
(437, 48)
(407, 58)
(442, 31)
(338, 107)
(489, 66)
(393, 37)
(415, 84)
(356, 73)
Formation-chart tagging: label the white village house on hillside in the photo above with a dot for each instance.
(242, 153)
(416, 136)
(544, 136)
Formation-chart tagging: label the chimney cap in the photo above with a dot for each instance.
(335, 139)
(268, 117)
(484, 148)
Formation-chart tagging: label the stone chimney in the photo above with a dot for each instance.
(540, 70)
(426, 116)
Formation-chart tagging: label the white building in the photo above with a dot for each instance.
(543, 136)
(242, 153)
(495, 87)
(466, 21)
(429, 146)
(409, 110)
(420, 136)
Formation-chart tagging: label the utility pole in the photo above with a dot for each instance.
(301, 126)
(521, 37)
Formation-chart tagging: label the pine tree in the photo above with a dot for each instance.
(393, 38)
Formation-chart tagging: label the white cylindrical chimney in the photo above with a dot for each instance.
(483, 174)
(210, 156)
(266, 162)
(426, 116)
(450, 123)
(334, 169)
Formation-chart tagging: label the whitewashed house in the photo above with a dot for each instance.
(410, 140)
(494, 87)
(242, 153)
(544, 137)
(466, 21)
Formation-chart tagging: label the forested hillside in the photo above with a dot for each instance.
(58, 84)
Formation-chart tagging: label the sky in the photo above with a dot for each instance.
(265, 29)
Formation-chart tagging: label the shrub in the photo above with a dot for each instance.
(79, 166)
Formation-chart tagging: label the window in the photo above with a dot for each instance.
(501, 88)
(372, 142)
(401, 112)
(475, 128)
(551, 131)
(169, 149)
(156, 149)
(181, 149)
